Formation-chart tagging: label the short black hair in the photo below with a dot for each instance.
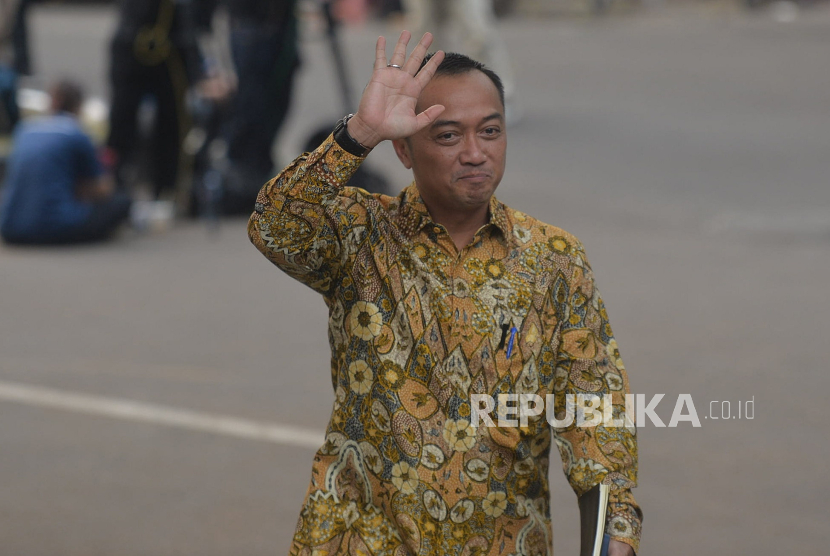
(458, 64)
(67, 96)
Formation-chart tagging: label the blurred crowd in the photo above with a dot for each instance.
(199, 90)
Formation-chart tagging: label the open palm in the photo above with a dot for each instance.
(387, 107)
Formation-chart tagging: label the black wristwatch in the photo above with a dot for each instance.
(346, 141)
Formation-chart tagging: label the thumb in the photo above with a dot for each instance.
(428, 116)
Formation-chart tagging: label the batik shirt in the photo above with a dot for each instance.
(416, 327)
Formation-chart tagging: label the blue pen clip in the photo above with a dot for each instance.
(513, 332)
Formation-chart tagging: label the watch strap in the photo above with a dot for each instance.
(346, 141)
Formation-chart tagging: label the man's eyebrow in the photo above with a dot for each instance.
(442, 123)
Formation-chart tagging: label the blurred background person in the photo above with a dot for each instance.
(467, 26)
(55, 190)
(260, 40)
(9, 113)
(154, 56)
(20, 37)
(264, 46)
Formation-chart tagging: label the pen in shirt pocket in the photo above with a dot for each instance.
(510, 341)
(513, 332)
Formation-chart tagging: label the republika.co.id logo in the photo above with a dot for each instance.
(590, 410)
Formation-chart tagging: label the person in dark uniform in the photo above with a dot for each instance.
(265, 56)
(154, 52)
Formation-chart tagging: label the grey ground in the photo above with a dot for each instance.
(688, 149)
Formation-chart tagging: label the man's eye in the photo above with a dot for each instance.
(446, 136)
(492, 131)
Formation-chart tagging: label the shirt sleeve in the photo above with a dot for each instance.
(303, 216)
(589, 363)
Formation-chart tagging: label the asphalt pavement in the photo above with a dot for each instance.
(161, 394)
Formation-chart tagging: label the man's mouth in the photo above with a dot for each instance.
(475, 177)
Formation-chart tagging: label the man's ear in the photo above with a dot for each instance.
(402, 150)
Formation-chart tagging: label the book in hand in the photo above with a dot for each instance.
(593, 506)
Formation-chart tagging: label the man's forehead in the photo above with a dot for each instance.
(466, 89)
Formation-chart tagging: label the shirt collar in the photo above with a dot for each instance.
(416, 215)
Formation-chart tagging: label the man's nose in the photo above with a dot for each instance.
(473, 152)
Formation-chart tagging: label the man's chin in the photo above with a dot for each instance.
(480, 191)
(479, 197)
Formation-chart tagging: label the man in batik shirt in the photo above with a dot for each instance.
(422, 289)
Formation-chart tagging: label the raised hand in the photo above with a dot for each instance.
(387, 107)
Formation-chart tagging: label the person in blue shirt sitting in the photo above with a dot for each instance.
(55, 190)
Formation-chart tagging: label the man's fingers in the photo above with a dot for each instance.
(428, 116)
(428, 71)
(414, 62)
(380, 53)
(399, 56)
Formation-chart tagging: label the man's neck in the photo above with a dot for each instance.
(462, 226)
